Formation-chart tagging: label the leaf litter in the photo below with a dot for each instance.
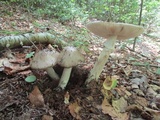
(136, 96)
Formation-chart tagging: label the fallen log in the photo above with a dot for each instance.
(29, 39)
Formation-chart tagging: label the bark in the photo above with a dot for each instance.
(29, 39)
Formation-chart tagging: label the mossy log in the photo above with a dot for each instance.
(29, 39)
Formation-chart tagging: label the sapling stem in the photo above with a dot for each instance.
(50, 71)
(109, 46)
(65, 77)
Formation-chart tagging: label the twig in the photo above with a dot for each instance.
(137, 53)
(145, 65)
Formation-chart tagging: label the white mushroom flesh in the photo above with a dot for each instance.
(52, 74)
(65, 77)
(45, 60)
(109, 46)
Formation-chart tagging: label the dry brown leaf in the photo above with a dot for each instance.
(13, 64)
(26, 72)
(122, 91)
(154, 113)
(47, 117)
(14, 68)
(139, 92)
(36, 97)
(120, 105)
(141, 101)
(74, 110)
(127, 70)
(150, 91)
(108, 109)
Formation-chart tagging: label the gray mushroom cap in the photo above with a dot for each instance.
(121, 30)
(44, 59)
(70, 57)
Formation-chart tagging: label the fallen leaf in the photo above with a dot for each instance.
(74, 109)
(109, 83)
(13, 64)
(153, 106)
(139, 92)
(107, 93)
(120, 105)
(134, 86)
(30, 78)
(142, 81)
(155, 87)
(47, 117)
(127, 70)
(122, 91)
(150, 92)
(141, 101)
(108, 109)
(154, 113)
(36, 97)
(26, 72)
(15, 68)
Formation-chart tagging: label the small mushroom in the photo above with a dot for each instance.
(112, 32)
(46, 59)
(68, 58)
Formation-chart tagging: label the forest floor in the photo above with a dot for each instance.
(136, 96)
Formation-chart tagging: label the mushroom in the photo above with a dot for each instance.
(112, 32)
(46, 59)
(68, 58)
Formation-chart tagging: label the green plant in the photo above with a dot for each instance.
(109, 83)
(110, 10)
(29, 55)
(30, 78)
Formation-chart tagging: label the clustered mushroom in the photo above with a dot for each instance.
(46, 59)
(70, 56)
(112, 32)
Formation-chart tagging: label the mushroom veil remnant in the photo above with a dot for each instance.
(68, 58)
(112, 32)
(46, 59)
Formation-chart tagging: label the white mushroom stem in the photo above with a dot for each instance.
(50, 71)
(109, 46)
(65, 77)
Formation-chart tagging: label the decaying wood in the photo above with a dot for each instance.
(29, 39)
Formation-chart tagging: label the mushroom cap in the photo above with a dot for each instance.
(44, 59)
(121, 30)
(70, 57)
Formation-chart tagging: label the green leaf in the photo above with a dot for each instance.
(114, 83)
(29, 55)
(30, 78)
(109, 83)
